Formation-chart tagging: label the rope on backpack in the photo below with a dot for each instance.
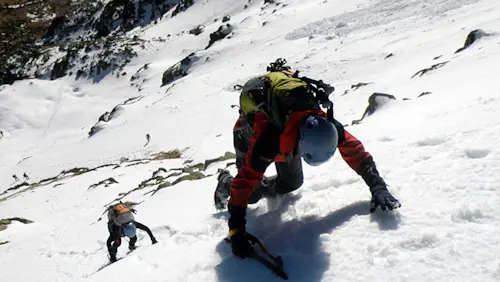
(321, 89)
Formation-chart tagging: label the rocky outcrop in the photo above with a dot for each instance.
(91, 25)
(433, 67)
(375, 101)
(105, 182)
(7, 221)
(219, 34)
(472, 37)
(107, 116)
(178, 70)
(197, 30)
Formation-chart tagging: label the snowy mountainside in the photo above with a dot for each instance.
(434, 143)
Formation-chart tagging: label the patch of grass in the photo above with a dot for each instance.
(227, 156)
(22, 220)
(164, 184)
(105, 182)
(192, 176)
(4, 222)
(172, 154)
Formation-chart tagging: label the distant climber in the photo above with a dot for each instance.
(26, 176)
(281, 121)
(148, 138)
(121, 223)
(15, 178)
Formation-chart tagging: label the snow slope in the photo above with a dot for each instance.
(438, 152)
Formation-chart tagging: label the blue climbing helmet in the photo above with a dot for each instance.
(129, 229)
(318, 139)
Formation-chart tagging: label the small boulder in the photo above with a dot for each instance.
(220, 33)
(473, 37)
(375, 101)
(197, 30)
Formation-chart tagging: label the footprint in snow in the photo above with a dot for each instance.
(467, 214)
(431, 141)
(423, 241)
(385, 139)
(477, 153)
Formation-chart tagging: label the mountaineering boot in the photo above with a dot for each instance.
(112, 257)
(222, 191)
(265, 189)
(131, 244)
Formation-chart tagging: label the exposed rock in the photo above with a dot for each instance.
(388, 56)
(424, 93)
(472, 37)
(6, 221)
(374, 102)
(161, 172)
(107, 116)
(192, 176)
(358, 85)
(56, 24)
(105, 182)
(197, 30)
(226, 18)
(227, 156)
(96, 128)
(220, 33)
(178, 70)
(433, 67)
(60, 68)
(173, 154)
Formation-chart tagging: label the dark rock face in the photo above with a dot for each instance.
(433, 67)
(86, 24)
(473, 37)
(375, 101)
(424, 93)
(60, 68)
(197, 30)
(107, 116)
(219, 34)
(178, 70)
(360, 84)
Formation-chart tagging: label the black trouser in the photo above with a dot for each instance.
(289, 174)
(114, 240)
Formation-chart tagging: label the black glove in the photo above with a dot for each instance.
(239, 243)
(381, 197)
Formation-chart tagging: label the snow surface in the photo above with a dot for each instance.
(439, 153)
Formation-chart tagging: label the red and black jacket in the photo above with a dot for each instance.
(269, 143)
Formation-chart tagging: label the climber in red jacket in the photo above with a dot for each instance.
(281, 121)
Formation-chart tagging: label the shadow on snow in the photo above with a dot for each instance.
(297, 241)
